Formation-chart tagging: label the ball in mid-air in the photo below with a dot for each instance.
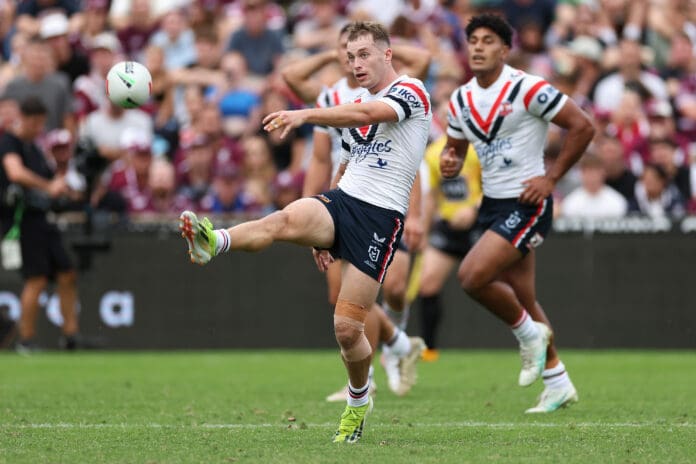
(128, 84)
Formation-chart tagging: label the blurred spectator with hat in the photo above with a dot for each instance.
(89, 90)
(59, 147)
(224, 195)
(128, 176)
(68, 58)
(287, 187)
(29, 13)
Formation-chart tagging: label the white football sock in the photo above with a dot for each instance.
(358, 396)
(399, 345)
(524, 329)
(222, 244)
(556, 377)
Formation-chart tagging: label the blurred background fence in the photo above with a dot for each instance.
(627, 283)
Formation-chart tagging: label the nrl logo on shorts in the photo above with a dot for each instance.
(513, 220)
(535, 241)
(373, 253)
(323, 198)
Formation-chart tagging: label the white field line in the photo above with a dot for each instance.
(444, 425)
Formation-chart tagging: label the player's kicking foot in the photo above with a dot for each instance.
(342, 394)
(407, 366)
(533, 355)
(199, 236)
(352, 423)
(555, 398)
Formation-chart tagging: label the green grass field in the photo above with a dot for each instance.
(267, 407)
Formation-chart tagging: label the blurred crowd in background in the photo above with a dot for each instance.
(217, 70)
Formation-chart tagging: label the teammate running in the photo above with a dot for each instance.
(505, 114)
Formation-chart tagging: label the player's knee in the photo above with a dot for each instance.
(471, 279)
(347, 333)
(349, 327)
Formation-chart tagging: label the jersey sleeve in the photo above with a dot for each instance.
(409, 99)
(542, 99)
(323, 101)
(454, 111)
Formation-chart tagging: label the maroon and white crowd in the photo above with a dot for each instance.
(216, 68)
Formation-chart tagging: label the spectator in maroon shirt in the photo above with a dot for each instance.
(135, 36)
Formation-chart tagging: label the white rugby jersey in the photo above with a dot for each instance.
(337, 94)
(383, 158)
(507, 123)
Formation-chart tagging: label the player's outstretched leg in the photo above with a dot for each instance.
(199, 236)
(558, 392)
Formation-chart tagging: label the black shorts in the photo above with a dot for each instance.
(43, 253)
(524, 226)
(366, 235)
(454, 242)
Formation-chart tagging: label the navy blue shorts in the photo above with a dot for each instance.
(454, 242)
(524, 226)
(366, 235)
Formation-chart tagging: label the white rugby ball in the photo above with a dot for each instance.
(129, 84)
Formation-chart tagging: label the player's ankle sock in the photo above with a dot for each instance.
(556, 377)
(399, 318)
(358, 396)
(524, 329)
(399, 345)
(223, 241)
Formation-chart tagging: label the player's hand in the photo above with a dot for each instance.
(450, 163)
(284, 121)
(323, 259)
(536, 190)
(413, 233)
(57, 187)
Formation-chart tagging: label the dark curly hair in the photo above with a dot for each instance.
(493, 22)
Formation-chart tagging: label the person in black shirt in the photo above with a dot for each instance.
(23, 168)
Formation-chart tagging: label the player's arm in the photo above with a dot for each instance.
(416, 60)
(413, 224)
(578, 136)
(453, 156)
(348, 115)
(18, 173)
(319, 169)
(298, 75)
